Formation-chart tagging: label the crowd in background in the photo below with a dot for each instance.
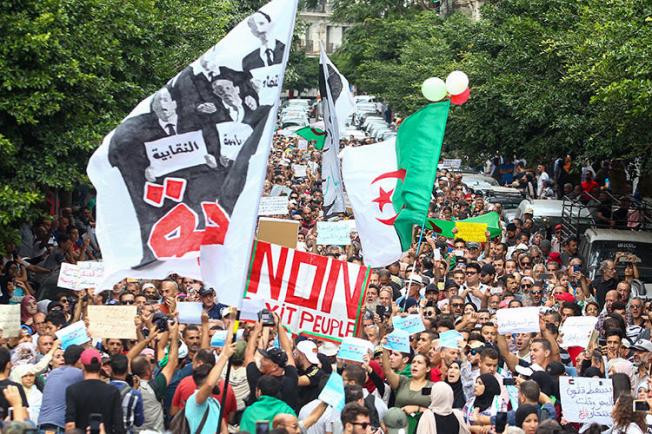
(170, 378)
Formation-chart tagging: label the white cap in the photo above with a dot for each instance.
(328, 349)
(309, 349)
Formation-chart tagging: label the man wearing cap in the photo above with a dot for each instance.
(412, 293)
(395, 421)
(310, 375)
(92, 395)
(208, 303)
(275, 362)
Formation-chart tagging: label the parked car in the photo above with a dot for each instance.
(596, 245)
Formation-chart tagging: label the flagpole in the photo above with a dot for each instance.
(407, 287)
(236, 325)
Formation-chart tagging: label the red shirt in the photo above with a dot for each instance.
(187, 387)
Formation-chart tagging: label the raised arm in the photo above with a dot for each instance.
(510, 359)
(142, 344)
(214, 375)
(392, 377)
(173, 354)
(252, 343)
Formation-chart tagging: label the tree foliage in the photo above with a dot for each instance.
(70, 70)
(547, 77)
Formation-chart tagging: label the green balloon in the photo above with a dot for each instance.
(434, 89)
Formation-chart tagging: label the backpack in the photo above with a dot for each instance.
(179, 423)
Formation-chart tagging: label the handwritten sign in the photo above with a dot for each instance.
(333, 392)
(353, 349)
(471, 232)
(302, 144)
(411, 323)
(9, 320)
(90, 273)
(450, 339)
(112, 322)
(586, 399)
(74, 334)
(233, 136)
(68, 276)
(250, 308)
(300, 170)
(218, 339)
(176, 152)
(334, 233)
(518, 320)
(398, 340)
(278, 190)
(576, 331)
(273, 205)
(451, 163)
(84, 274)
(190, 312)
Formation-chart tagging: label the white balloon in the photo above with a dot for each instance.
(457, 82)
(434, 89)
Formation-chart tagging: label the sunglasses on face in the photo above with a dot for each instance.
(457, 304)
(470, 273)
(526, 285)
(536, 292)
(128, 302)
(473, 351)
(363, 425)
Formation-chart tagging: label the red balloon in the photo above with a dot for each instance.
(461, 98)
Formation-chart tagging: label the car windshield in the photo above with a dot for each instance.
(602, 250)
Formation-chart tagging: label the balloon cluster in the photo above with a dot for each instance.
(456, 87)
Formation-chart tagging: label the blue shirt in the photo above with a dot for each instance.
(195, 413)
(132, 405)
(53, 409)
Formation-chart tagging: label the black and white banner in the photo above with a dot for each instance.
(179, 180)
(337, 104)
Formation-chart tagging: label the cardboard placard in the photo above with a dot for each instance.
(277, 231)
(115, 322)
(300, 170)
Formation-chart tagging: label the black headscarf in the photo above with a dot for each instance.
(491, 389)
(523, 412)
(459, 399)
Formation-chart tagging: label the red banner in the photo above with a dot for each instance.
(312, 294)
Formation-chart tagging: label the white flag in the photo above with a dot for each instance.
(337, 105)
(179, 180)
(370, 175)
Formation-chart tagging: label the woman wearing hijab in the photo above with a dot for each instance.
(454, 380)
(26, 376)
(440, 417)
(527, 418)
(485, 391)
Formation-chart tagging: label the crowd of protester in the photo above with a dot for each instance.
(170, 378)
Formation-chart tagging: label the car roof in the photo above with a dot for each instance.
(596, 234)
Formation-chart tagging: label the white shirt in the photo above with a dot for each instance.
(543, 178)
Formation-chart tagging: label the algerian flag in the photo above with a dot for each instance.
(313, 135)
(337, 105)
(390, 184)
